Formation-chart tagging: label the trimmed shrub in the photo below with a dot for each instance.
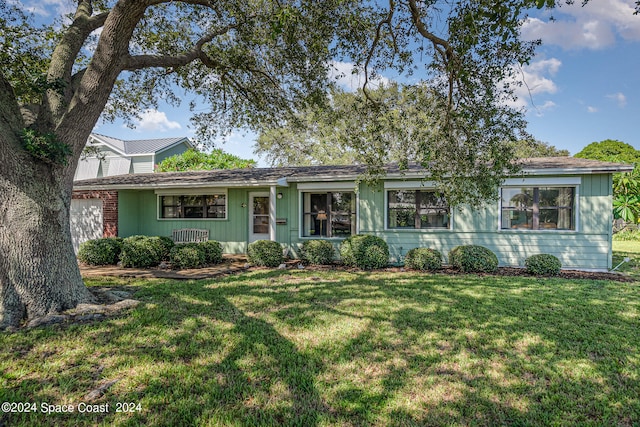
(141, 251)
(317, 252)
(212, 251)
(365, 252)
(187, 255)
(473, 259)
(423, 259)
(103, 251)
(543, 265)
(165, 244)
(266, 253)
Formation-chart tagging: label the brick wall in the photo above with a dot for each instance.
(109, 209)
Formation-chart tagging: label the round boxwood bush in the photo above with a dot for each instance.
(104, 251)
(212, 251)
(141, 251)
(473, 259)
(187, 255)
(266, 253)
(317, 252)
(423, 259)
(365, 252)
(543, 265)
(165, 244)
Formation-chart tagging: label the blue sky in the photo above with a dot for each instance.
(582, 86)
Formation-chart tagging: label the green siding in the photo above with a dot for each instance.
(180, 148)
(587, 248)
(129, 212)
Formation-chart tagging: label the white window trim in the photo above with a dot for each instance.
(324, 188)
(328, 186)
(545, 182)
(399, 186)
(198, 192)
(409, 185)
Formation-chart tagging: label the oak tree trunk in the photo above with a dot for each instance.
(39, 273)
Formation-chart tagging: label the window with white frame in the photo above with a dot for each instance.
(538, 208)
(196, 206)
(417, 209)
(328, 214)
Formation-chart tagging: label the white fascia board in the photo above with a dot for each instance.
(322, 178)
(191, 191)
(130, 155)
(147, 186)
(343, 185)
(576, 171)
(413, 185)
(525, 180)
(106, 144)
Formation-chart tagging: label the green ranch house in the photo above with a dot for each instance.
(560, 206)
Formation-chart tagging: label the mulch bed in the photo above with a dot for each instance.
(237, 264)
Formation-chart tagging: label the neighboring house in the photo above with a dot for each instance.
(561, 206)
(91, 213)
(119, 157)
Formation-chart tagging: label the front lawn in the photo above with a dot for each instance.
(312, 348)
(627, 249)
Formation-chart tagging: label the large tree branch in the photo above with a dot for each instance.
(374, 44)
(63, 60)
(207, 3)
(137, 62)
(10, 116)
(441, 46)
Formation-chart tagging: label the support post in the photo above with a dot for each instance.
(272, 213)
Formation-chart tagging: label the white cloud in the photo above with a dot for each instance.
(591, 109)
(593, 26)
(155, 121)
(352, 78)
(536, 81)
(619, 98)
(47, 7)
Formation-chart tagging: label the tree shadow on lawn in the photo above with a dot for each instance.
(283, 348)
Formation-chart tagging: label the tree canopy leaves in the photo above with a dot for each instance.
(626, 186)
(193, 160)
(610, 150)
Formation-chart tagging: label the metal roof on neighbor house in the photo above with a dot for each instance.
(285, 175)
(139, 146)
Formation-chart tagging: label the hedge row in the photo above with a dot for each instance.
(477, 259)
(361, 251)
(149, 251)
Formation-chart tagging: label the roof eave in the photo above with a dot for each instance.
(573, 171)
(185, 140)
(151, 186)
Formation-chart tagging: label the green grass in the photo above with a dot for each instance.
(304, 348)
(631, 249)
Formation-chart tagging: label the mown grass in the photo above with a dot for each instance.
(630, 249)
(304, 348)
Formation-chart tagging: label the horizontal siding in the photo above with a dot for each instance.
(512, 249)
(143, 164)
(232, 232)
(587, 248)
(178, 149)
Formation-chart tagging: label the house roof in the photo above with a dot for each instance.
(139, 146)
(282, 176)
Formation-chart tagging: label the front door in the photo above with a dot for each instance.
(258, 216)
